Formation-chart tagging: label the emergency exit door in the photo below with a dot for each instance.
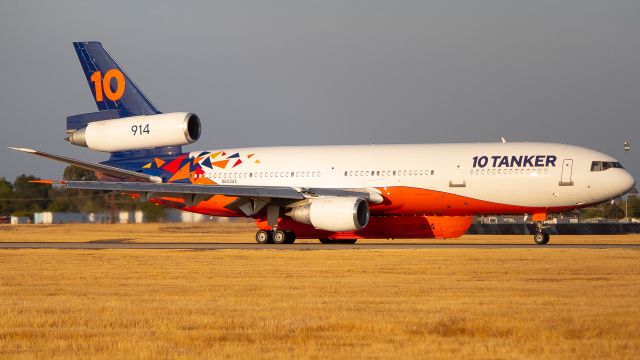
(567, 173)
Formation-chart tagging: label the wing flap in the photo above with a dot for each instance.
(245, 191)
(170, 188)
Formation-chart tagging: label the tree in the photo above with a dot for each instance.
(613, 211)
(152, 212)
(75, 173)
(85, 201)
(591, 212)
(63, 200)
(30, 197)
(634, 206)
(6, 194)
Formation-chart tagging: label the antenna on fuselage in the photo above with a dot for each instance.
(504, 141)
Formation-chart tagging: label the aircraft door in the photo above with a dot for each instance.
(566, 179)
(458, 177)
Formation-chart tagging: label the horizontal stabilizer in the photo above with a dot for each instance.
(105, 169)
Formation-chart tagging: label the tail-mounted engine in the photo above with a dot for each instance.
(138, 132)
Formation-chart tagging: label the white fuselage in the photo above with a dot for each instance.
(520, 174)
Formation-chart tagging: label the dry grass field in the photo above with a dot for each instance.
(427, 303)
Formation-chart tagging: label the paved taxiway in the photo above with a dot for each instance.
(253, 246)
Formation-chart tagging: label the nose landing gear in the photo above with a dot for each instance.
(541, 237)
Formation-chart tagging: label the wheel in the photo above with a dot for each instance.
(291, 237)
(263, 237)
(541, 238)
(279, 237)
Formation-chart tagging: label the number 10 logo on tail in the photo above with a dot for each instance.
(102, 86)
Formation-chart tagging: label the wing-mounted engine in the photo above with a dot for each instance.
(333, 213)
(138, 132)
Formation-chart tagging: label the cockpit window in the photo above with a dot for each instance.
(604, 165)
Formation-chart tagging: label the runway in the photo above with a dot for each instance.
(252, 246)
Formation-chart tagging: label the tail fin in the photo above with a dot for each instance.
(116, 96)
(110, 85)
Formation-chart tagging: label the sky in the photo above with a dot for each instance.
(262, 73)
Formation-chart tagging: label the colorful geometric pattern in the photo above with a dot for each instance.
(190, 168)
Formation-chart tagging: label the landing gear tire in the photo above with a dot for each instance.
(263, 237)
(541, 238)
(279, 237)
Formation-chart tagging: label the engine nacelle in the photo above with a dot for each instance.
(139, 132)
(333, 213)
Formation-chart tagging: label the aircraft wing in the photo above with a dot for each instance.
(179, 189)
(148, 184)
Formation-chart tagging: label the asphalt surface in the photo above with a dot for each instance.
(254, 246)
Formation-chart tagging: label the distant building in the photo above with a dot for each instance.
(122, 217)
(98, 218)
(49, 217)
(126, 217)
(16, 220)
(189, 217)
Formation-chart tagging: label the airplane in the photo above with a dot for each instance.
(337, 194)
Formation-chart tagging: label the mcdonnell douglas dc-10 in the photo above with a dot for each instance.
(333, 193)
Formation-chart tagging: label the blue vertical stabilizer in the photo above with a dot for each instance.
(110, 85)
(116, 96)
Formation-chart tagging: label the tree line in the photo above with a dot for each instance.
(24, 198)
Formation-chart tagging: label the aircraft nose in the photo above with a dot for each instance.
(626, 182)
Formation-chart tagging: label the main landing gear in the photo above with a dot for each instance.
(275, 237)
(541, 237)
